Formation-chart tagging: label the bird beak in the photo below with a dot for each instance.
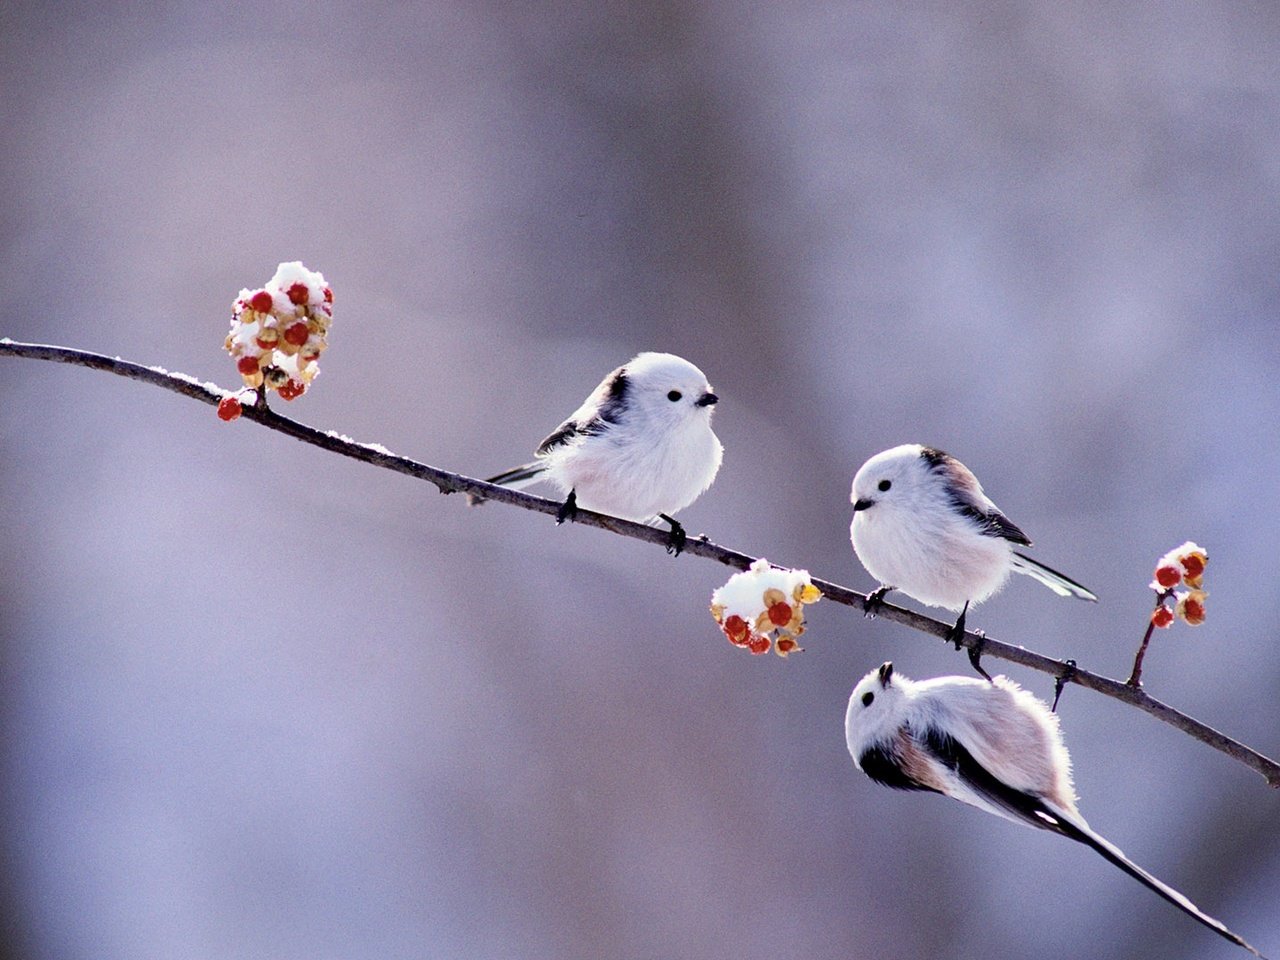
(863, 504)
(708, 400)
(885, 673)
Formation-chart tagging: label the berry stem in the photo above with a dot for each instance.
(1135, 675)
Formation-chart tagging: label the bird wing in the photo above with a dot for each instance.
(597, 414)
(973, 783)
(969, 501)
(561, 435)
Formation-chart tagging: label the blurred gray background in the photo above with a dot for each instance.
(260, 701)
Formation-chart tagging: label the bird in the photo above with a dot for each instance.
(640, 447)
(989, 744)
(922, 525)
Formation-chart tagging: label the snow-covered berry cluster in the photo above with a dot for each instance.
(763, 607)
(1181, 566)
(278, 331)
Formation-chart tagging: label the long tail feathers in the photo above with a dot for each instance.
(517, 478)
(1082, 833)
(1062, 585)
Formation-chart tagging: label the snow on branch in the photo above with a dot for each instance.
(448, 482)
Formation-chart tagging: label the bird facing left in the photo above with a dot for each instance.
(989, 744)
(640, 447)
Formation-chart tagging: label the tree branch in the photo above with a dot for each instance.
(447, 482)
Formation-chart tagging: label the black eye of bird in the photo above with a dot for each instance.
(867, 698)
(674, 395)
(884, 485)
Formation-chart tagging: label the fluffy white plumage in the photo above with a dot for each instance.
(922, 525)
(639, 447)
(989, 744)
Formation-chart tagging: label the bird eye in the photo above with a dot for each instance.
(884, 485)
(867, 698)
(674, 395)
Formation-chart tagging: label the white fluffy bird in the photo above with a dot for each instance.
(922, 525)
(992, 745)
(640, 447)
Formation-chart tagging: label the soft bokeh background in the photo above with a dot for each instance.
(260, 701)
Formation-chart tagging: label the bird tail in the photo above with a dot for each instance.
(1079, 831)
(1062, 585)
(517, 478)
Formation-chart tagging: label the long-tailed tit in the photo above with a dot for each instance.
(992, 745)
(922, 525)
(640, 447)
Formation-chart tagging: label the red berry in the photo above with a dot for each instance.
(780, 614)
(1162, 617)
(229, 408)
(247, 365)
(298, 293)
(787, 645)
(758, 645)
(1193, 563)
(261, 301)
(292, 389)
(736, 629)
(296, 334)
(328, 295)
(1168, 576)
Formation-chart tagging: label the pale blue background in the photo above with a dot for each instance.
(263, 702)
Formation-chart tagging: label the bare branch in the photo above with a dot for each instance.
(447, 482)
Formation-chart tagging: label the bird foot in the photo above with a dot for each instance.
(956, 634)
(569, 509)
(1060, 684)
(874, 601)
(677, 538)
(975, 654)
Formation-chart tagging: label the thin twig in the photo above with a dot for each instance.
(1135, 675)
(447, 482)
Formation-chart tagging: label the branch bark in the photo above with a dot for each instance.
(447, 482)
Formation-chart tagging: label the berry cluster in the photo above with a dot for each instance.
(278, 332)
(763, 607)
(1182, 566)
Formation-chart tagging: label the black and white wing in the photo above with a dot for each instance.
(968, 499)
(597, 414)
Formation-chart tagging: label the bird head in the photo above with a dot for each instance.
(901, 476)
(668, 389)
(874, 708)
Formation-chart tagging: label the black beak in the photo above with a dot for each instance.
(708, 400)
(885, 673)
(863, 505)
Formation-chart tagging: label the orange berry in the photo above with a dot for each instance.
(1191, 609)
